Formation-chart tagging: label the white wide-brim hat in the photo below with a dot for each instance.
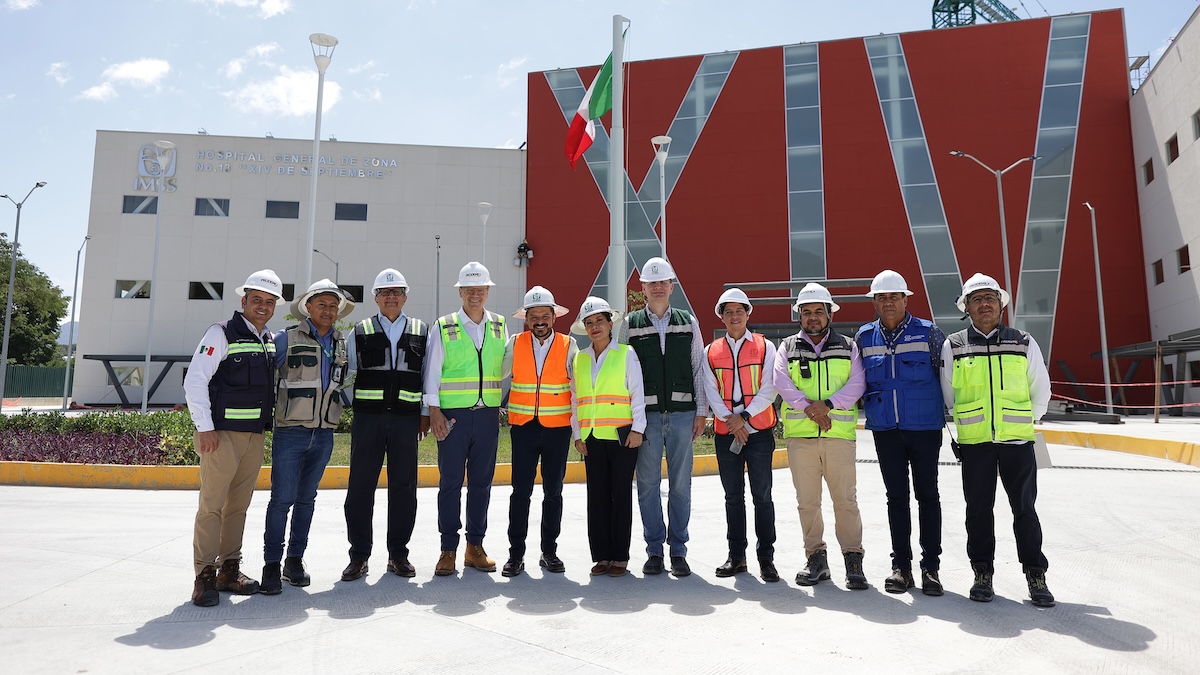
(593, 305)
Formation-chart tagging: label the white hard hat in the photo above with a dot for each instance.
(593, 305)
(888, 281)
(980, 282)
(733, 295)
(263, 280)
(345, 304)
(657, 269)
(815, 292)
(474, 274)
(538, 296)
(389, 278)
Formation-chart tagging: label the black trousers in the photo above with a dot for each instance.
(375, 436)
(898, 450)
(532, 442)
(1017, 468)
(610, 469)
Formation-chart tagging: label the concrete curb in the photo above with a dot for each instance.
(1176, 451)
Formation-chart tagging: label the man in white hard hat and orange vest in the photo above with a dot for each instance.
(230, 391)
(311, 363)
(819, 375)
(671, 351)
(997, 385)
(539, 417)
(464, 357)
(387, 357)
(741, 393)
(902, 357)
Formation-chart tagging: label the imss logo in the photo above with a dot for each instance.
(156, 169)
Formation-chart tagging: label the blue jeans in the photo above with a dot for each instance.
(672, 432)
(298, 459)
(755, 460)
(897, 450)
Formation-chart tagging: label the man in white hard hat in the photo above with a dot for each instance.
(230, 401)
(997, 385)
(539, 417)
(902, 356)
(463, 364)
(311, 362)
(819, 376)
(671, 351)
(387, 356)
(741, 393)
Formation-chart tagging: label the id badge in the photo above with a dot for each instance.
(339, 372)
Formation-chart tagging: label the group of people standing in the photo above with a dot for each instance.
(641, 391)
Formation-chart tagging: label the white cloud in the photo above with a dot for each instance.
(508, 73)
(372, 94)
(234, 68)
(59, 72)
(266, 8)
(101, 92)
(264, 50)
(510, 144)
(237, 66)
(18, 5)
(142, 73)
(354, 70)
(291, 93)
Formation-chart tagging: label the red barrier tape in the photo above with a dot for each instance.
(1124, 405)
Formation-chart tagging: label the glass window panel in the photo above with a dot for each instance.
(806, 212)
(702, 95)
(1048, 198)
(717, 63)
(1037, 293)
(674, 168)
(139, 204)
(934, 250)
(804, 168)
(1065, 62)
(912, 162)
(1069, 25)
(924, 205)
(803, 127)
(801, 88)
(568, 100)
(1040, 327)
(884, 45)
(283, 209)
(349, 211)
(808, 255)
(799, 54)
(942, 291)
(132, 289)
(1056, 147)
(649, 191)
(1060, 106)
(1043, 245)
(600, 173)
(891, 78)
(599, 150)
(901, 119)
(683, 133)
(212, 207)
(641, 251)
(355, 292)
(562, 79)
(637, 222)
(206, 290)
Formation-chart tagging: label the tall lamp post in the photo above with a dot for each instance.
(999, 173)
(661, 145)
(163, 153)
(1100, 302)
(12, 280)
(71, 326)
(485, 210)
(437, 276)
(322, 48)
(336, 268)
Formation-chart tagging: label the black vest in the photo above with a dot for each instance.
(242, 391)
(377, 372)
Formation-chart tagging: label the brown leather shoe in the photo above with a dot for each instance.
(601, 568)
(617, 568)
(204, 593)
(445, 564)
(401, 567)
(357, 569)
(231, 579)
(478, 558)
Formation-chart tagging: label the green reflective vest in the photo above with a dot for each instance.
(604, 406)
(469, 374)
(818, 376)
(991, 386)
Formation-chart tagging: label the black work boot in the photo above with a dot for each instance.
(1038, 591)
(271, 582)
(293, 571)
(981, 590)
(899, 581)
(855, 578)
(816, 569)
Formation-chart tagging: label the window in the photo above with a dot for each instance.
(349, 211)
(129, 376)
(206, 290)
(355, 292)
(1196, 125)
(1185, 259)
(1194, 374)
(1148, 172)
(140, 204)
(132, 289)
(283, 209)
(289, 292)
(208, 206)
(1158, 271)
(1173, 149)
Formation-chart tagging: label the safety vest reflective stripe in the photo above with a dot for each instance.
(369, 394)
(992, 401)
(242, 413)
(248, 348)
(605, 405)
(409, 396)
(828, 372)
(748, 376)
(545, 395)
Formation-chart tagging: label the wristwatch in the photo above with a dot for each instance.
(745, 415)
(828, 404)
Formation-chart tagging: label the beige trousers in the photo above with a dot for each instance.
(227, 479)
(810, 459)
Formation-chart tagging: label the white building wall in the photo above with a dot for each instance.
(413, 193)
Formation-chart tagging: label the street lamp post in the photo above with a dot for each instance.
(336, 268)
(1100, 302)
(661, 145)
(485, 209)
(71, 322)
(1008, 285)
(322, 48)
(12, 280)
(162, 153)
(437, 276)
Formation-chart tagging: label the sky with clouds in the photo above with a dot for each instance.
(438, 72)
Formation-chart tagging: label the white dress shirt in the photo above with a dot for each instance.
(766, 392)
(213, 349)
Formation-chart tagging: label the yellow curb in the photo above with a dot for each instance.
(1176, 451)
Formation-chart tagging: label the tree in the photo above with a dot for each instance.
(38, 306)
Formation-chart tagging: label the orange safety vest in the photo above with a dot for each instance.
(547, 396)
(751, 358)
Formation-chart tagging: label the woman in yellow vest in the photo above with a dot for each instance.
(608, 417)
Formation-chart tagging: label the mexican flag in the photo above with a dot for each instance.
(595, 104)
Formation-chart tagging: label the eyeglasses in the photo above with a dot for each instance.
(389, 292)
(985, 298)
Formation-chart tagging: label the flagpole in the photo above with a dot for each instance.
(617, 275)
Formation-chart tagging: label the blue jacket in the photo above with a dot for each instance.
(903, 386)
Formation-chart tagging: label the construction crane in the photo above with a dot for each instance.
(953, 13)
